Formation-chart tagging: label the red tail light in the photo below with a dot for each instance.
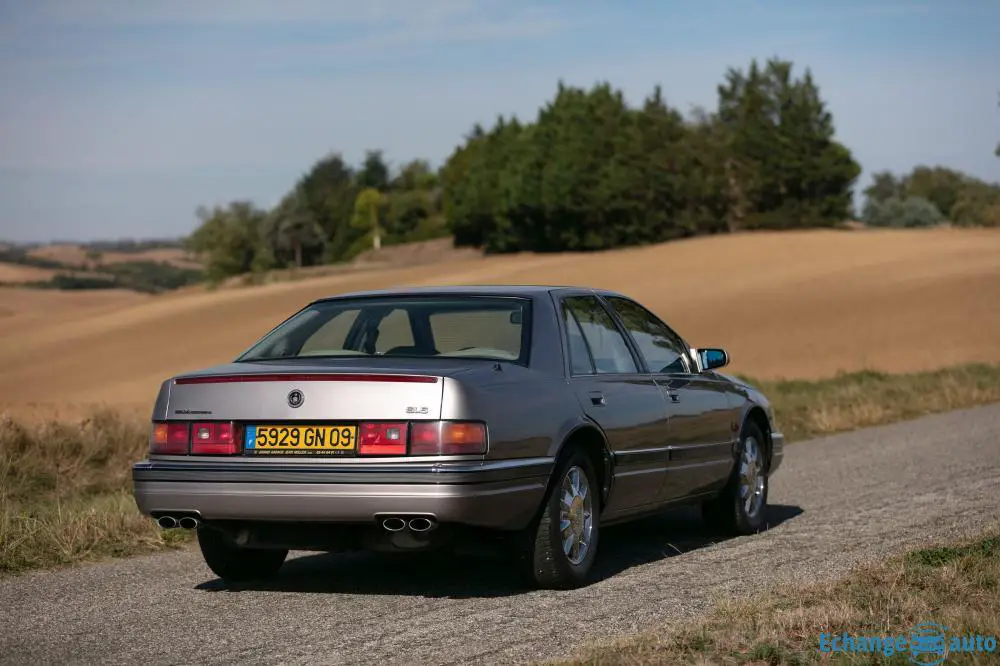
(214, 439)
(447, 438)
(169, 438)
(382, 439)
(418, 438)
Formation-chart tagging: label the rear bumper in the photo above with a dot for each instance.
(498, 494)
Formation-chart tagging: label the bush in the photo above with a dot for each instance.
(910, 212)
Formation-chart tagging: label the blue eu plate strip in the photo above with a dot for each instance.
(251, 436)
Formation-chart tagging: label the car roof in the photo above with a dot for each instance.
(521, 290)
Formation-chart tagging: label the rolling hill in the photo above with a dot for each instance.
(788, 304)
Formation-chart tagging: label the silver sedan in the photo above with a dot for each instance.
(436, 417)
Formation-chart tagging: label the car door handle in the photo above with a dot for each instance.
(674, 395)
(597, 398)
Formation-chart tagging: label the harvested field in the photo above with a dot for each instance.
(75, 255)
(18, 274)
(786, 305)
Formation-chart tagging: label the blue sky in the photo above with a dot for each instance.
(120, 117)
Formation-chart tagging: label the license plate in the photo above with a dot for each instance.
(302, 440)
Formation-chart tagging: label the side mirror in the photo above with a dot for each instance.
(712, 358)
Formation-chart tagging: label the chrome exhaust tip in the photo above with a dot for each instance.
(393, 524)
(421, 524)
(188, 522)
(166, 522)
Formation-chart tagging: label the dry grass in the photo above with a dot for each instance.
(65, 492)
(65, 485)
(955, 585)
(19, 274)
(862, 399)
(789, 304)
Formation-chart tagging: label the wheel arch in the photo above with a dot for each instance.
(755, 414)
(589, 437)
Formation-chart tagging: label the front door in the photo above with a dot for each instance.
(621, 398)
(702, 417)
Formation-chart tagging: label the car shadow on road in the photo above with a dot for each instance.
(449, 575)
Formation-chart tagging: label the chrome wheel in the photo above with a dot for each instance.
(576, 515)
(751, 477)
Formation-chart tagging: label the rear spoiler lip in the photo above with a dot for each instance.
(306, 377)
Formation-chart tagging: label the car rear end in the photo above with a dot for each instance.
(340, 450)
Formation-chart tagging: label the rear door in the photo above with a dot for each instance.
(702, 417)
(620, 397)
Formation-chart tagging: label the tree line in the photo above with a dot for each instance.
(591, 172)
(331, 213)
(928, 196)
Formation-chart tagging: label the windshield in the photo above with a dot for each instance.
(453, 326)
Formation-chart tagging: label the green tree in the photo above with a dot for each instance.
(911, 212)
(374, 172)
(366, 214)
(884, 186)
(329, 190)
(939, 185)
(229, 240)
(961, 199)
(783, 167)
(298, 230)
(415, 175)
(978, 204)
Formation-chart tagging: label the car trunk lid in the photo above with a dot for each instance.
(269, 394)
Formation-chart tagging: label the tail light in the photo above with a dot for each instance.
(382, 439)
(447, 438)
(214, 439)
(181, 438)
(169, 438)
(418, 438)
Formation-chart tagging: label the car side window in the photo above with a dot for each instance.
(661, 348)
(580, 361)
(608, 349)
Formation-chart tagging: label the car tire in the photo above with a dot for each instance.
(549, 564)
(233, 563)
(731, 512)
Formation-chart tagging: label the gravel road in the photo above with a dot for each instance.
(835, 502)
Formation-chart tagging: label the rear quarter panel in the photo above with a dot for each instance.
(529, 410)
(527, 413)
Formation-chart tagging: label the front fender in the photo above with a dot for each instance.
(754, 398)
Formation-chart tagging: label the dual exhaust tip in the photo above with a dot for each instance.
(417, 524)
(391, 524)
(184, 522)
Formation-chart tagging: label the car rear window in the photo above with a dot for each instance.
(453, 326)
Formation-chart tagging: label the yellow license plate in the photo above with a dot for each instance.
(289, 439)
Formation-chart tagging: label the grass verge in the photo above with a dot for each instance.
(65, 487)
(955, 585)
(65, 492)
(855, 400)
